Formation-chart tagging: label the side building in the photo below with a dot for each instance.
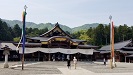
(13, 54)
(123, 51)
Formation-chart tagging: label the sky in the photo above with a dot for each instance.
(71, 13)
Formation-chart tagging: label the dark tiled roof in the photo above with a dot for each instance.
(116, 45)
(77, 40)
(130, 55)
(27, 44)
(96, 51)
(61, 37)
(46, 39)
(128, 48)
(11, 45)
(130, 52)
(39, 38)
(88, 46)
(102, 52)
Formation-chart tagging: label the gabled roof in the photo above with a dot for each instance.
(11, 45)
(47, 39)
(56, 26)
(77, 40)
(88, 46)
(117, 45)
(128, 48)
(32, 44)
(130, 55)
(123, 51)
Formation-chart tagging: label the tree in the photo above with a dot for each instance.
(17, 39)
(85, 37)
(90, 33)
(99, 37)
(41, 31)
(29, 30)
(107, 34)
(67, 32)
(17, 30)
(5, 33)
(76, 34)
(122, 32)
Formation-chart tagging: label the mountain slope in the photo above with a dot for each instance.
(50, 25)
(34, 25)
(84, 27)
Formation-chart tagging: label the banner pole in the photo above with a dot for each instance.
(23, 48)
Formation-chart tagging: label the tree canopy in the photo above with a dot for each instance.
(101, 34)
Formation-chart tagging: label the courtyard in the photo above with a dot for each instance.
(60, 68)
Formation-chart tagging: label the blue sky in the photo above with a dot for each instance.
(72, 13)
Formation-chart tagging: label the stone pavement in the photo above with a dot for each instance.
(78, 71)
(60, 68)
(98, 67)
(81, 71)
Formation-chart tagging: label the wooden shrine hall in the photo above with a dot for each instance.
(56, 44)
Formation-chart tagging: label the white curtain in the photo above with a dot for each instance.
(55, 50)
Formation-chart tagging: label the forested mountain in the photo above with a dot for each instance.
(34, 25)
(49, 25)
(99, 35)
(85, 27)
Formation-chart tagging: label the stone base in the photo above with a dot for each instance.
(6, 65)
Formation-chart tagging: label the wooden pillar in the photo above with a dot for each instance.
(38, 56)
(49, 56)
(77, 56)
(49, 45)
(125, 59)
(129, 59)
(119, 58)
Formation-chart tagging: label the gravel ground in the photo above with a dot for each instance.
(52, 68)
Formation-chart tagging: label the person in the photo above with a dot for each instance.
(69, 63)
(53, 57)
(75, 62)
(104, 60)
(68, 57)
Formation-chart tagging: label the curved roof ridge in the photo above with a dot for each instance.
(48, 31)
(56, 25)
(61, 37)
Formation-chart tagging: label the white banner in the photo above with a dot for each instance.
(55, 50)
